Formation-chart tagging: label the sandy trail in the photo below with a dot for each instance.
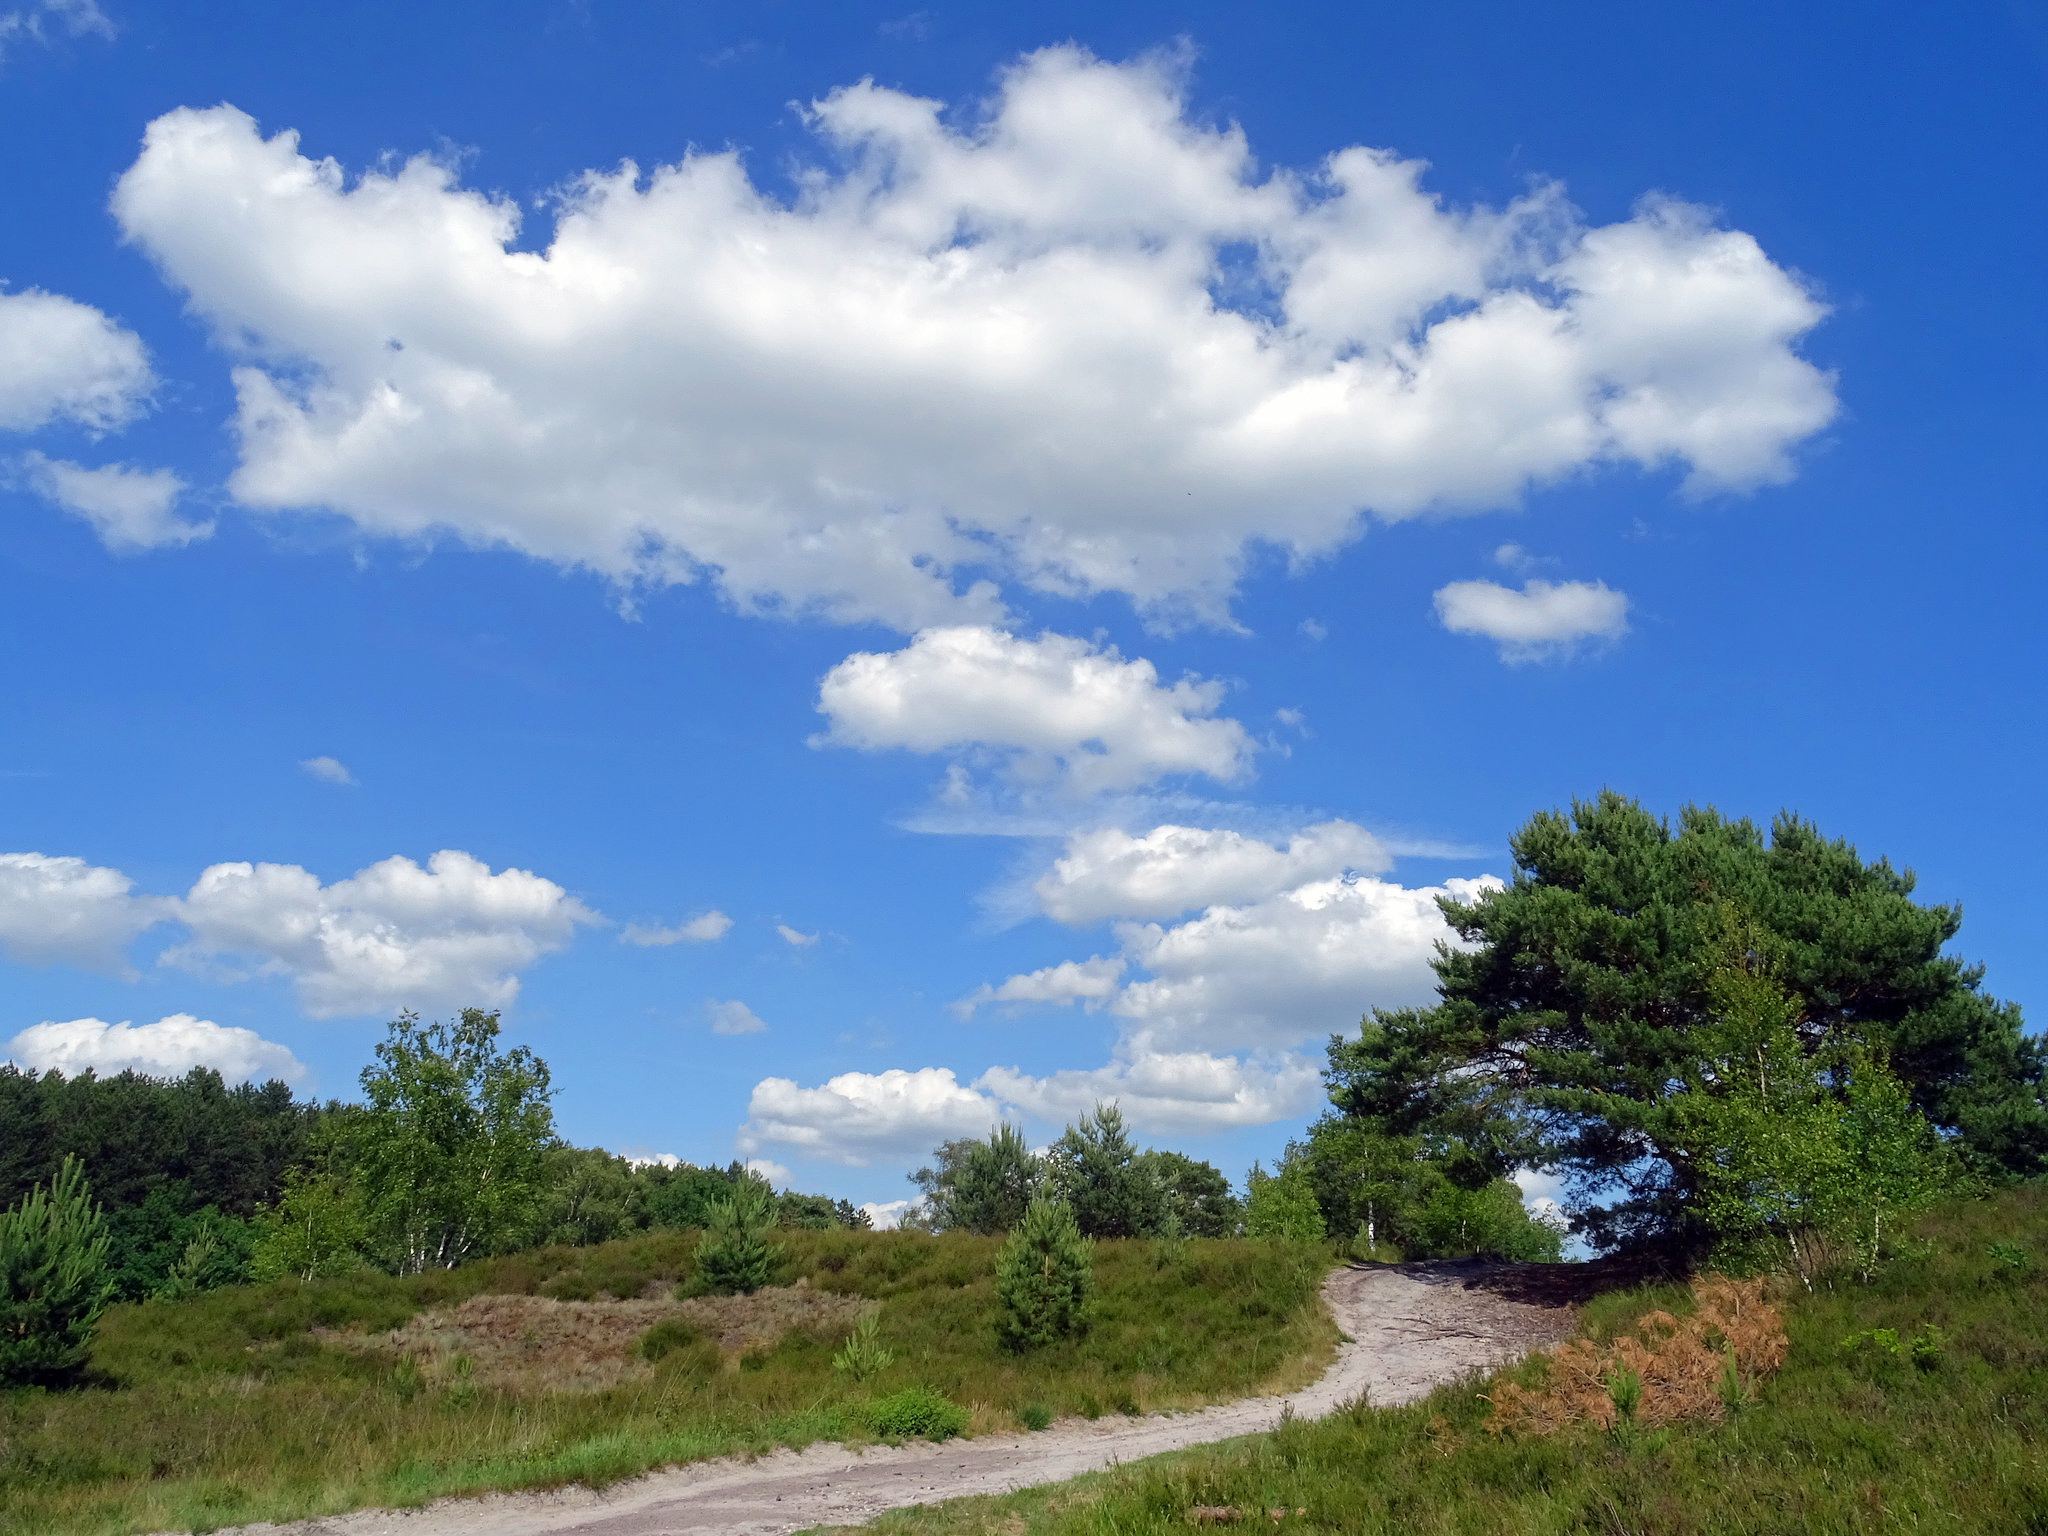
(1414, 1328)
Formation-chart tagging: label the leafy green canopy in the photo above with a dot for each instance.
(1584, 1006)
(1095, 1168)
(1282, 1205)
(1415, 1197)
(451, 1143)
(1786, 1145)
(1115, 1190)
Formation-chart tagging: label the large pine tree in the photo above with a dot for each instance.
(1570, 1016)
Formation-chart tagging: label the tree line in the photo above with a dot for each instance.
(450, 1155)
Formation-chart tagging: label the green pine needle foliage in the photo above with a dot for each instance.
(53, 1279)
(734, 1257)
(1045, 1273)
(864, 1358)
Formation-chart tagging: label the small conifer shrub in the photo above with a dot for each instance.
(54, 1282)
(864, 1358)
(1044, 1274)
(734, 1256)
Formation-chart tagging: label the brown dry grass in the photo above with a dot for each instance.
(1682, 1363)
(529, 1344)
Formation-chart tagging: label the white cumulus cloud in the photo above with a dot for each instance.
(1172, 869)
(61, 360)
(1091, 982)
(705, 928)
(1289, 969)
(733, 1017)
(886, 1215)
(1543, 619)
(130, 509)
(62, 908)
(170, 1047)
(795, 938)
(1168, 1090)
(1211, 1012)
(391, 936)
(1079, 339)
(857, 1117)
(1054, 710)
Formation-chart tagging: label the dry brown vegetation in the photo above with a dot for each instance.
(1688, 1368)
(529, 1344)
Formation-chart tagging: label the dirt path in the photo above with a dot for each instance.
(1414, 1326)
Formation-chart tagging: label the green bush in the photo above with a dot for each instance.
(1034, 1416)
(53, 1279)
(1045, 1272)
(734, 1257)
(914, 1412)
(1282, 1205)
(666, 1337)
(317, 1230)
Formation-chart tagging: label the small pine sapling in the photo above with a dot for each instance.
(864, 1358)
(1045, 1273)
(54, 1282)
(734, 1256)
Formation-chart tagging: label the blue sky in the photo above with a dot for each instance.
(1005, 560)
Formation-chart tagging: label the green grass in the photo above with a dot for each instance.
(229, 1407)
(1857, 1439)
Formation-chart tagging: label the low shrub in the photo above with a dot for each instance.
(666, 1337)
(916, 1413)
(1834, 1442)
(296, 1400)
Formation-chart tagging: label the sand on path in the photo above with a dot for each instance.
(1411, 1328)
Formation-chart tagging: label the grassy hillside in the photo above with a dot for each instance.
(1845, 1437)
(575, 1364)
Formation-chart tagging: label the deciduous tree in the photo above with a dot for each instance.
(451, 1143)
